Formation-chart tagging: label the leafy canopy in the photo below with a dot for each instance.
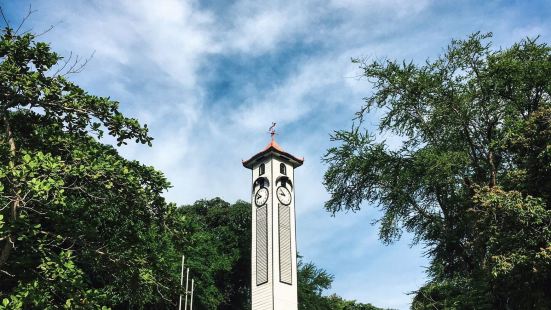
(80, 226)
(471, 176)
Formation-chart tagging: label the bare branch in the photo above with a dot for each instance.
(29, 12)
(65, 62)
(33, 209)
(4, 18)
(78, 65)
(6, 205)
(47, 30)
(7, 273)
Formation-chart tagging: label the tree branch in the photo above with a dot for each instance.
(29, 13)
(4, 18)
(8, 245)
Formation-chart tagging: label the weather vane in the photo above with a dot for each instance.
(272, 130)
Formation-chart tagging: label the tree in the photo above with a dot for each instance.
(217, 244)
(312, 282)
(471, 177)
(80, 226)
(337, 303)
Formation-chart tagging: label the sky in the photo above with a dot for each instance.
(209, 77)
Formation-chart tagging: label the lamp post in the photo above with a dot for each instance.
(187, 283)
(181, 282)
(192, 286)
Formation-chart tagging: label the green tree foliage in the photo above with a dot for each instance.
(217, 245)
(337, 303)
(312, 282)
(79, 225)
(471, 177)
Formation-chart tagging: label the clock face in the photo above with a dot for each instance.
(283, 195)
(261, 196)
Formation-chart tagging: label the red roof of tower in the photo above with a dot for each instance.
(273, 148)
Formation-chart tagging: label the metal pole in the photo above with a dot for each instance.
(191, 303)
(181, 282)
(187, 282)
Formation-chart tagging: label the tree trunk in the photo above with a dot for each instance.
(8, 245)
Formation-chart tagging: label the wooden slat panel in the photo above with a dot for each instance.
(285, 261)
(261, 245)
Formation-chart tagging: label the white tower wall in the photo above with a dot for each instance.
(279, 290)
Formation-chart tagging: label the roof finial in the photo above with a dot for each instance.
(272, 130)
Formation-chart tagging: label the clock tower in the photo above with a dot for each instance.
(274, 249)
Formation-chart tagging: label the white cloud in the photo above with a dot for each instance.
(397, 8)
(166, 37)
(302, 93)
(261, 27)
(258, 33)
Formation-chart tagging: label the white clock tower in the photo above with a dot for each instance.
(274, 249)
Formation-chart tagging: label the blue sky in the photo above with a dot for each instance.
(209, 77)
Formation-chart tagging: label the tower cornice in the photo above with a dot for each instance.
(273, 149)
